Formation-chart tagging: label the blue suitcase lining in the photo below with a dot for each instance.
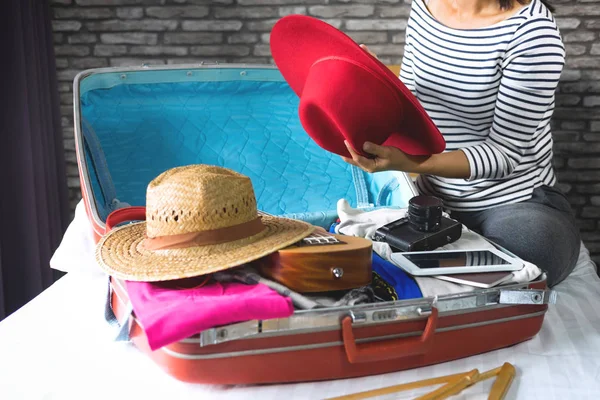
(137, 125)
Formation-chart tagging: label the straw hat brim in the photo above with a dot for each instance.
(122, 255)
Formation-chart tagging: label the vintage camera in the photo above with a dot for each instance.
(424, 228)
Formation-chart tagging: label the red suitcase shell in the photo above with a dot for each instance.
(342, 351)
(331, 343)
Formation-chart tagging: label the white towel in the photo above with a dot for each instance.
(355, 222)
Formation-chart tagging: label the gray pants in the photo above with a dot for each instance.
(540, 230)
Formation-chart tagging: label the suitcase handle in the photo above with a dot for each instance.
(123, 215)
(389, 349)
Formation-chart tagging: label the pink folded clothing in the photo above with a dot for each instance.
(169, 312)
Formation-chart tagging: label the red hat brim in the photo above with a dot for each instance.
(298, 41)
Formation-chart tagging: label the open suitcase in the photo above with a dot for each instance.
(131, 124)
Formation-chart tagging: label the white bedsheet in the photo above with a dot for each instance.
(58, 346)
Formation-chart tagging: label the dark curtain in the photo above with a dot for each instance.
(33, 191)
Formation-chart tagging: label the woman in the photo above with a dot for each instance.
(486, 72)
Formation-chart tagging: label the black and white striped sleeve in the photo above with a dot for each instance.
(531, 70)
(407, 75)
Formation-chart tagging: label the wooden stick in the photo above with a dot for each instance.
(453, 384)
(452, 388)
(503, 382)
(487, 375)
(468, 380)
(400, 388)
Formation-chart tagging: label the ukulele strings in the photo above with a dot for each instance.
(315, 238)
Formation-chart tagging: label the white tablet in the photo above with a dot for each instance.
(445, 262)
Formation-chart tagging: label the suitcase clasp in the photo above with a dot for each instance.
(425, 311)
(358, 317)
(230, 332)
(383, 315)
(528, 296)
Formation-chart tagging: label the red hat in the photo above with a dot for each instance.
(347, 94)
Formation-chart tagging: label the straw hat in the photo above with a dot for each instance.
(199, 219)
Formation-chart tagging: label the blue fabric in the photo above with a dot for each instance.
(392, 283)
(332, 227)
(149, 121)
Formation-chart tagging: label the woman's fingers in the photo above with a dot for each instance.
(350, 161)
(355, 156)
(375, 149)
(358, 160)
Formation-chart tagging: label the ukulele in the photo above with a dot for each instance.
(320, 263)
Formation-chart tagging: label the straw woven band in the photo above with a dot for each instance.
(204, 238)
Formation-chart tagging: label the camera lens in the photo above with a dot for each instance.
(425, 213)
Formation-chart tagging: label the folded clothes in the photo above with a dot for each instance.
(356, 222)
(361, 295)
(169, 312)
(248, 275)
(362, 223)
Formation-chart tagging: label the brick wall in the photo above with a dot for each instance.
(101, 33)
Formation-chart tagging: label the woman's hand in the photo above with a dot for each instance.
(452, 164)
(385, 158)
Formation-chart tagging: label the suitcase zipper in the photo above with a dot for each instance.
(527, 297)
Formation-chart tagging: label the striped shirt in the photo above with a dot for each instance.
(490, 91)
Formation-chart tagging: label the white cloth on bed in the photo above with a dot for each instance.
(77, 245)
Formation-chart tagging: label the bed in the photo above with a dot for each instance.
(59, 346)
